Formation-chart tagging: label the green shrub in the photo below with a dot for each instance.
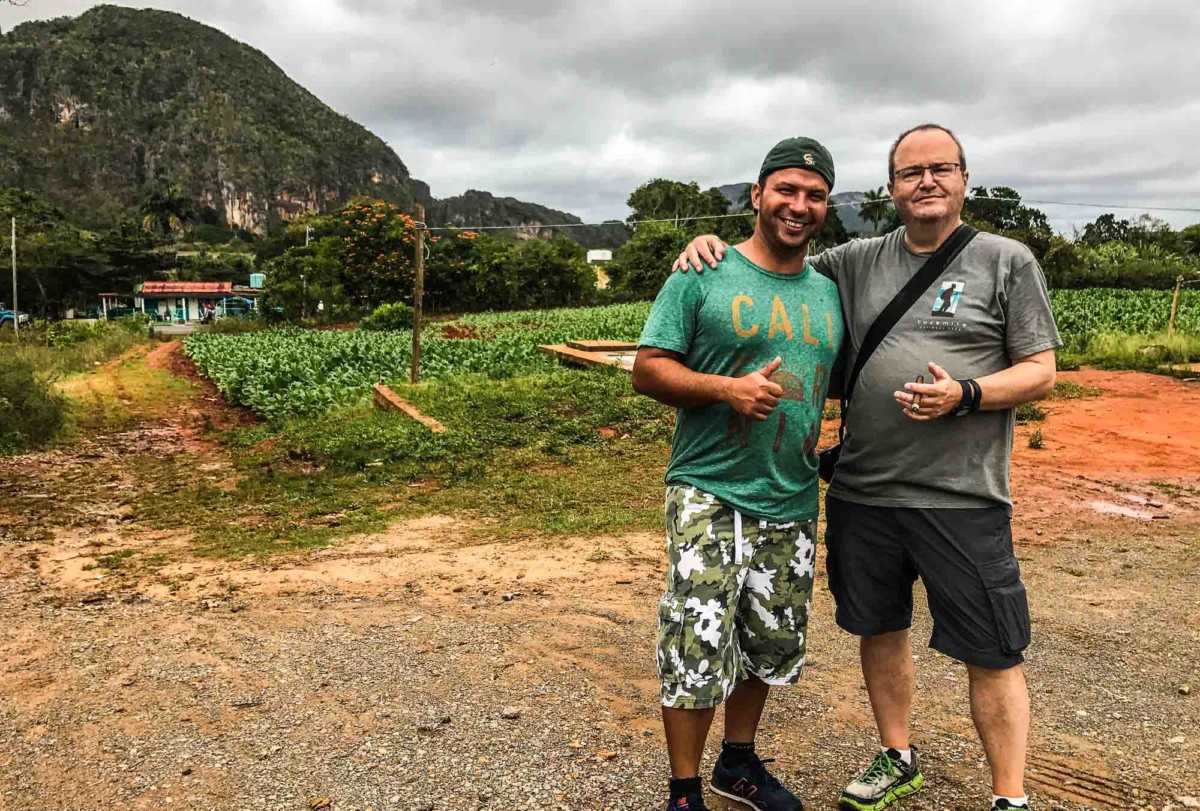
(31, 413)
(62, 334)
(642, 264)
(394, 316)
(1030, 412)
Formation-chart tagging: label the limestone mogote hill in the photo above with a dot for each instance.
(98, 110)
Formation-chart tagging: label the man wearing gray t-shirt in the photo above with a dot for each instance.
(921, 486)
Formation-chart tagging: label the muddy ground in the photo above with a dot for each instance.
(416, 669)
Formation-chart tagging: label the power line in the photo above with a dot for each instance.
(887, 201)
(1096, 205)
(591, 224)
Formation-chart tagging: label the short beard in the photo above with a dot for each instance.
(767, 224)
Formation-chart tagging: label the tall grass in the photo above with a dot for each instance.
(32, 411)
(1116, 350)
(66, 347)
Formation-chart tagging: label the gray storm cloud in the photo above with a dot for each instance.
(572, 104)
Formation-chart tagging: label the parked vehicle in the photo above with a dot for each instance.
(7, 317)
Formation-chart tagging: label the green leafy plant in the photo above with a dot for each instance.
(31, 413)
(394, 316)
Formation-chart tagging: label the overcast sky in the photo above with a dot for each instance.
(573, 103)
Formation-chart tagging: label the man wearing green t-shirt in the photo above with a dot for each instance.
(745, 355)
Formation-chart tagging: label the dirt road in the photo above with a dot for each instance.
(414, 669)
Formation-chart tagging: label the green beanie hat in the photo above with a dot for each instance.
(801, 153)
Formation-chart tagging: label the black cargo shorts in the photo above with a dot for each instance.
(963, 556)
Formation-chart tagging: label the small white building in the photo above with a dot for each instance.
(598, 255)
(181, 302)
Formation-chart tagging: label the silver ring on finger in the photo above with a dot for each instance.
(914, 406)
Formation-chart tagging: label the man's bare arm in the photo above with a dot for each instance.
(1029, 378)
(660, 373)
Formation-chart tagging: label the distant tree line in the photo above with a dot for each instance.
(678, 212)
(343, 264)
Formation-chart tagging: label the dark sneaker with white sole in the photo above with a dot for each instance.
(1004, 805)
(687, 804)
(751, 784)
(886, 780)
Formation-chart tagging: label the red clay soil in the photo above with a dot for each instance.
(162, 355)
(452, 331)
(1133, 452)
(1143, 426)
(169, 357)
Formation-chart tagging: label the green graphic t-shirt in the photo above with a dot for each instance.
(733, 322)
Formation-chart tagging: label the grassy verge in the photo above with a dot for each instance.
(36, 402)
(1063, 390)
(66, 347)
(567, 452)
(1114, 350)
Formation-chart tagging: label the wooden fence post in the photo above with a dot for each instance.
(1174, 306)
(418, 294)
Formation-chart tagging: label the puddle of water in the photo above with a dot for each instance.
(1108, 508)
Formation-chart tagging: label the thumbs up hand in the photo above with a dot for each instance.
(932, 400)
(755, 395)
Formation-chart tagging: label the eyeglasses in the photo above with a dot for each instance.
(913, 174)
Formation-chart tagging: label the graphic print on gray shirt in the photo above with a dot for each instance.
(989, 308)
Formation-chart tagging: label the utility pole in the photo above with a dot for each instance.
(307, 234)
(418, 293)
(16, 311)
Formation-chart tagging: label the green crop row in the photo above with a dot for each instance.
(1086, 313)
(283, 373)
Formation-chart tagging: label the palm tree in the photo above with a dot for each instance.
(874, 207)
(166, 209)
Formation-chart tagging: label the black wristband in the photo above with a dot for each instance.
(971, 395)
(964, 405)
(976, 394)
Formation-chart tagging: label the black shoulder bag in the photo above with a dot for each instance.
(896, 308)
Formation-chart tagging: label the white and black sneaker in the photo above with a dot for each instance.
(885, 780)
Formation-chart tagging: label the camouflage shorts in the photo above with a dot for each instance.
(737, 600)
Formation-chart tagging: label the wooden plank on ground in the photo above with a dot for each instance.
(580, 357)
(603, 346)
(386, 398)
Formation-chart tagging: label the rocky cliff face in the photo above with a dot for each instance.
(97, 110)
(531, 220)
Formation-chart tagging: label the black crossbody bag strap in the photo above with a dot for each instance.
(934, 266)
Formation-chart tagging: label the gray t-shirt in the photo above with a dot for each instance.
(988, 309)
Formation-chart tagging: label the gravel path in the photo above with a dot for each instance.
(379, 699)
(410, 670)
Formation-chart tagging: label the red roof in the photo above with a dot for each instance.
(178, 288)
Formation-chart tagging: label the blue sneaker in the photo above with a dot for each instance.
(751, 784)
